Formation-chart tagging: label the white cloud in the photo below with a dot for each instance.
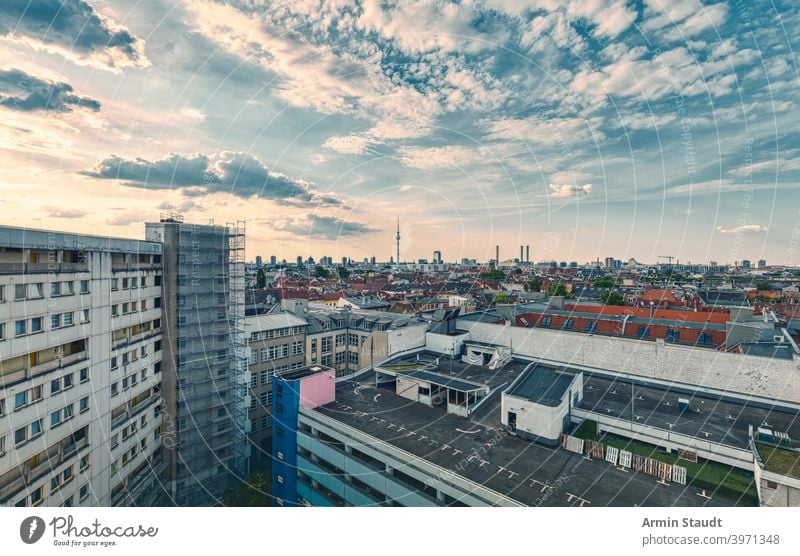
(545, 130)
(679, 20)
(743, 229)
(564, 191)
(349, 144)
(422, 158)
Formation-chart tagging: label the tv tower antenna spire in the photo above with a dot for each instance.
(397, 237)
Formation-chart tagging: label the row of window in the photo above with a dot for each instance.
(35, 325)
(35, 394)
(277, 333)
(130, 307)
(26, 292)
(129, 381)
(642, 331)
(132, 283)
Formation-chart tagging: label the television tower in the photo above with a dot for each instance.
(397, 237)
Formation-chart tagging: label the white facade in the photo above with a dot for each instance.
(79, 368)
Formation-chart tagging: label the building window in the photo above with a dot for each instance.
(673, 335)
(591, 326)
(705, 338)
(2, 331)
(642, 331)
(55, 321)
(20, 435)
(55, 418)
(546, 321)
(20, 400)
(340, 357)
(326, 345)
(84, 375)
(84, 286)
(36, 325)
(771, 485)
(297, 348)
(568, 324)
(36, 428)
(354, 357)
(83, 404)
(20, 327)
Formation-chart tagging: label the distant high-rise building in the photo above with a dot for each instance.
(527, 253)
(205, 363)
(299, 260)
(745, 263)
(345, 260)
(259, 261)
(437, 257)
(397, 237)
(273, 260)
(762, 263)
(373, 259)
(573, 264)
(497, 254)
(609, 262)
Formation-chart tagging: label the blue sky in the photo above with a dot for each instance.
(583, 128)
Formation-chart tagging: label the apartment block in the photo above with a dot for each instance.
(276, 343)
(80, 369)
(205, 359)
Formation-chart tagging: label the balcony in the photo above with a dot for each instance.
(41, 268)
(16, 479)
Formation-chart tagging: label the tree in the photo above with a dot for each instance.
(533, 285)
(261, 279)
(343, 272)
(604, 283)
(321, 272)
(256, 491)
(503, 298)
(764, 286)
(492, 274)
(611, 297)
(557, 289)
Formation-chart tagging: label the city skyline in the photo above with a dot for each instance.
(580, 129)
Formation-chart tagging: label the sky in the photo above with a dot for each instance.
(583, 128)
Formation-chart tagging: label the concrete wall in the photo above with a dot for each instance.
(786, 493)
(446, 345)
(406, 338)
(770, 379)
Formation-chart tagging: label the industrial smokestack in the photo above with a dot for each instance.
(497, 255)
(527, 253)
(521, 253)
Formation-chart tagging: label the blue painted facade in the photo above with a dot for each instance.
(285, 407)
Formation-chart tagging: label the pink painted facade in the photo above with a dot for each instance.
(318, 389)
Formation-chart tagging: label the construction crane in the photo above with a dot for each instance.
(668, 257)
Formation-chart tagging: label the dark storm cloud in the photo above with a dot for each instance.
(73, 26)
(327, 227)
(26, 93)
(240, 174)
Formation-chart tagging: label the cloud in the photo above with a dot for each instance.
(743, 229)
(237, 173)
(349, 144)
(325, 227)
(780, 164)
(73, 29)
(65, 213)
(547, 130)
(422, 158)
(682, 19)
(25, 93)
(568, 190)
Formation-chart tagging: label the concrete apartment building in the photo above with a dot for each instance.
(205, 359)
(276, 343)
(80, 369)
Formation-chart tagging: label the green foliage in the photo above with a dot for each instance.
(321, 272)
(343, 272)
(256, 491)
(492, 274)
(604, 283)
(557, 289)
(533, 285)
(611, 297)
(764, 286)
(503, 298)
